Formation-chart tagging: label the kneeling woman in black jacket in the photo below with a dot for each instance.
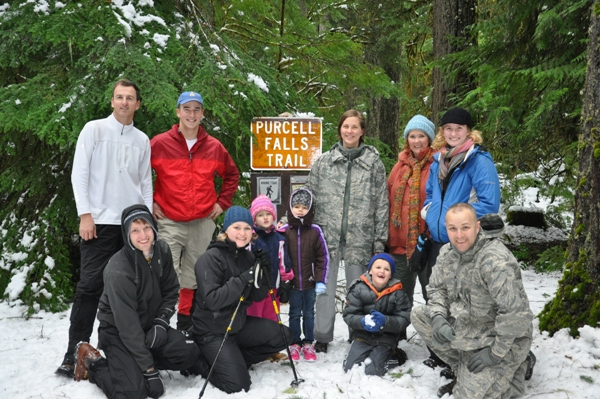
(223, 273)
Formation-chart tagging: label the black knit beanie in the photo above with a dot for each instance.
(459, 116)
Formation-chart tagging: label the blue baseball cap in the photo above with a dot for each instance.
(188, 96)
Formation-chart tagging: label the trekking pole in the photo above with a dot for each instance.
(244, 294)
(296, 381)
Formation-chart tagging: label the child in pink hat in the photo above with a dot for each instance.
(269, 240)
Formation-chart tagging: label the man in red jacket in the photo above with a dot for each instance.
(186, 203)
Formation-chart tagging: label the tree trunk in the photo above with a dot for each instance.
(450, 20)
(577, 301)
(586, 227)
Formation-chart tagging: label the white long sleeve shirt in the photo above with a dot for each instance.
(111, 170)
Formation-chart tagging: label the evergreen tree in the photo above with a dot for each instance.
(577, 300)
(58, 64)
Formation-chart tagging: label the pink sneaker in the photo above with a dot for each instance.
(308, 352)
(295, 352)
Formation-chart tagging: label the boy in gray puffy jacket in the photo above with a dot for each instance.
(377, 310)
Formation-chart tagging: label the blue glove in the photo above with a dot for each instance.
(378, 318)
(320, 288)
(369, 327)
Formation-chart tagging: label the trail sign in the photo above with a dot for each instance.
(285, 143)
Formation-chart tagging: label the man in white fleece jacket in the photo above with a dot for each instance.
(111, 171)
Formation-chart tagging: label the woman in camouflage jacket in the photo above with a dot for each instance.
(352, 207)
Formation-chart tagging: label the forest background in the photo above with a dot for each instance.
(527, 71)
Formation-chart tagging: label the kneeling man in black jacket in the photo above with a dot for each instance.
(140, 293)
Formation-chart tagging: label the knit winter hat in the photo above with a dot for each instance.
(262, 203)
(301, 197)
(419, 122)
(135, 212)
(459, 116)
(237, 214)
(386, 257)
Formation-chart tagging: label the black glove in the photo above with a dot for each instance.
(284, 292)
(248, 276)
(265, 262)
(157, 334)
(154, 384)
(418, 259)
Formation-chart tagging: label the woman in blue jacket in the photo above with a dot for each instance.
(463, 171)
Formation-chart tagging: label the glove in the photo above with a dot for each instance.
(378, 318)
(482, 359)
(368, 324)
(154, 384)
(286, 276)
(441, 330)
(320, 288)
(265, 262)
(157, 334)
(284, 292)
(249, 275)
(418, 259)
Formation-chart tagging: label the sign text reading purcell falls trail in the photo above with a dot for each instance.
(285, 143)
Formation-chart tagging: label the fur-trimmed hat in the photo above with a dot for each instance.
(386, 257)
(419, 122)
(262, 203)
(459, 116)
(237, 214)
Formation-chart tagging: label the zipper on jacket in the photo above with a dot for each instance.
(299, 260)
(190, 156)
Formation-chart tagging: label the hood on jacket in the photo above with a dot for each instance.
(131, 213)
(307, 219)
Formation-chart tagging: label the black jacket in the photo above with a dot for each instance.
(137, 291)
(220, 288)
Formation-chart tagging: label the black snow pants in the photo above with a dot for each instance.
(120, 377)
(255, 342)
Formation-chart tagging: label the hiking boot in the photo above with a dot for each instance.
(321, 347)
(433, 363)
(397, 358)
(277, 357)
(66, 369)
(446, 389)
(530, 363)
(84, 355)
(447, 373)
(295, 352)
(308, 353)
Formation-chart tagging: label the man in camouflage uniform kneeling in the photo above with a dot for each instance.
(478, 318)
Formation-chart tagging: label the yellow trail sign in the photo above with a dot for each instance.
(285, 143)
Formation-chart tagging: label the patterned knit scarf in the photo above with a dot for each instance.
(452, 157)
(412, 178)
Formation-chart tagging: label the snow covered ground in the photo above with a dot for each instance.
(30, 351)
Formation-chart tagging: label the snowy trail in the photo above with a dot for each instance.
(30, 351)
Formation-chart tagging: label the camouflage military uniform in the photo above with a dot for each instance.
(365, 209)
(481, 294)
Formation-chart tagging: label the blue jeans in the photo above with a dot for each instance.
(302, 304)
